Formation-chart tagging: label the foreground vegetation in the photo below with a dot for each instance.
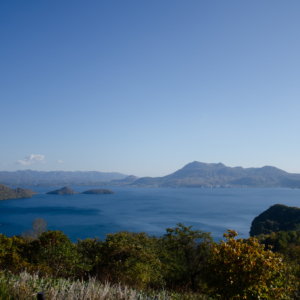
(182, 264)
(26, 286)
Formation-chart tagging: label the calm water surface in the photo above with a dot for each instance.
(143, 209)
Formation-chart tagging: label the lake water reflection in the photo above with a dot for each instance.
(143, 209)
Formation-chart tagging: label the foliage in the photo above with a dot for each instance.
(11, 254)
(244, 270)
(280, 241)
(129, 258)
(54, 254)
(184, 261)
(288, 244)
(184, 255)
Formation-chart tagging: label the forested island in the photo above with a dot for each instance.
(64, 191)
(6, 193)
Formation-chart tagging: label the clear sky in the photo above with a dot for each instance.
(145, 87)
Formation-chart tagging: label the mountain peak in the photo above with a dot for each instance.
(201, 165)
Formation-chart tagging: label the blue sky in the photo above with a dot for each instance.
(145, 87)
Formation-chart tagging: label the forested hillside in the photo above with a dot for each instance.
(277, 218)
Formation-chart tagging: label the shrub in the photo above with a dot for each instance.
(244, 270)
(128, 258)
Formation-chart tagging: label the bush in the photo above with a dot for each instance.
(129, 258)
(55, 254)
(244, 270)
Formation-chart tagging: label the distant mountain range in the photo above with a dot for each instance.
(198, 174)
(57, 178)
(195, 174)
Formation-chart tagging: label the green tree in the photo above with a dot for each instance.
(56, 254)
(90, 253)
(129, 258)
(184, 254)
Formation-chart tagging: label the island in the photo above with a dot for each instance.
(6, 193)
(98, 191)
(64, 191)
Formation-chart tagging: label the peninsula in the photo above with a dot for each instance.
(6, 193)
(278, 217)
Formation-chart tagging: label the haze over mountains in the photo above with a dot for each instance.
(56, 178)
(195, 174)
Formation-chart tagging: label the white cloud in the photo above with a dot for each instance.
(60, 161)
(29, 160)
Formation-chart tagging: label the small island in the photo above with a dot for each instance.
(6, 193)
(64, 191)
(98, 191)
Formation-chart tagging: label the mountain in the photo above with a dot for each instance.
(194, 174)
(277, 218)
(64, 191)
(198, 174)
(6, 193)
(57, 178)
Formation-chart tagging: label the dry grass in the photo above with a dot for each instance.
(26, 286)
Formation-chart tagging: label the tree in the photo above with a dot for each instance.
(39, 226)
(129, 258)
(185, 255)
(245, 270)
(56, 254)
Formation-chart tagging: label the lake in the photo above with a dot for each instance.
(143, 209)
